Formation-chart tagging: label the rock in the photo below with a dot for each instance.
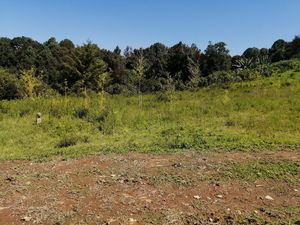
(197, 197)
(268, 197)
(296, 190)
(26, 218)
(219, 196)
(132, 221)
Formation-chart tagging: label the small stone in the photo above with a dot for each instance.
(131, 220)
(258, 185)
(26, 218)
(255, 211)
(197, 197)
(296, 190)
(239, 212)
(148, 200)
(268, 197)
(219, 196)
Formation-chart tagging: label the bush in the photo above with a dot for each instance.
(10, 87)
(247, 74)
(286, 65)
(81, 112)
(222, 77)
(107, 121)
(67, 142)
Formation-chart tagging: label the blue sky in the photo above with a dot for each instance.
(140, 23)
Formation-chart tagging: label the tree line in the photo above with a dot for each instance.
(29, 68)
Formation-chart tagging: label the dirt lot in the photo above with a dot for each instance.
(180, 188)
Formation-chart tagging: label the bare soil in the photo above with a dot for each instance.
(179, 188)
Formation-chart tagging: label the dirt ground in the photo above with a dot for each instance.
(179, 188)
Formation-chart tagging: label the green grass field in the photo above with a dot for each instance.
(248, 116)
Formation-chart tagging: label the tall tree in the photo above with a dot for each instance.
(216, 58)
(90, 68)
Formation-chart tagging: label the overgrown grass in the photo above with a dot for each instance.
(245, 116)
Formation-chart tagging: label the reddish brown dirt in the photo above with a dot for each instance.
(181, 188)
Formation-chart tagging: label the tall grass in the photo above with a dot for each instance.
(246, 116)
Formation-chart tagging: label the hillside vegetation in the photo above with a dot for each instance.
(262, 114)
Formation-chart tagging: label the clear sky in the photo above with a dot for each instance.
(140, 23)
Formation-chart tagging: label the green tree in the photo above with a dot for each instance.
(30, 82)
(278, 50)
(89, 68)
(10, 87)
(216, 58)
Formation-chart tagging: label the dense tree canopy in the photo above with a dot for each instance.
(66, 68)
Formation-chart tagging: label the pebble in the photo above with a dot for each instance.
(131, 220)
(26, 218)
(268, 197)
(296, 190)
(219, 196)
(197, 197)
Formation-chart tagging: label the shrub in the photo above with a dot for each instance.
(164, 96)
(222, 77)
(67, 142)
(248, 74)
(286, 65)
(81, 112)
(107, 121)
(10, 87)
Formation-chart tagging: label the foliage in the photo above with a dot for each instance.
(245, 116)
(216, 58)
(223, 77)
(32, 85)
(62, 67)
(66, 142)
(10, 87)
